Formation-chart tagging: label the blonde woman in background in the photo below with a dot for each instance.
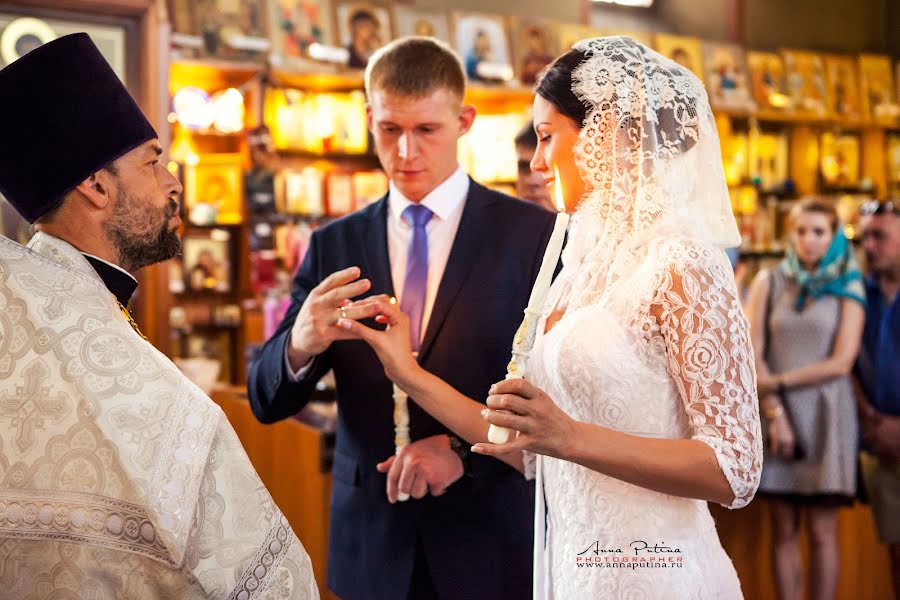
(806, 319)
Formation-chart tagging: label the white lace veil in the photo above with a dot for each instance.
(650, 158)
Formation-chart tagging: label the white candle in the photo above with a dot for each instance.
(401, 428)
(548, 266)
(401, 423)
(527, 331)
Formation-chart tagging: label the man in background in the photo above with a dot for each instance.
(529, 184)
(878, 371)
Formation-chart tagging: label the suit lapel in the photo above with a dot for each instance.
(463, 254)
(376, 261)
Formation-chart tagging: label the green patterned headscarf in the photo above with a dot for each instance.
(837, 274)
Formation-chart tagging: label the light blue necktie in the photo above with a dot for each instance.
(416, 282)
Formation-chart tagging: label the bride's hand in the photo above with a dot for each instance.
(391, 345)
(542, 426)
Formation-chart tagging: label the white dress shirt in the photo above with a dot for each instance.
(446, 201)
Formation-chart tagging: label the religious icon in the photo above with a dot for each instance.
(726, 77)
(877, 89)
(214, 190)
(535, 45)
(206, 258)
(683, 50)
(768, 161)
(482, 42)
(301, 192)
(297, 24)
(768, 81)
(231, 29)
(414, 21)
(363, 28)
(806, 81)
(19, 35)
(839, 160)
(843, 91)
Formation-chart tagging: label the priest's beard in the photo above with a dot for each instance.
(140, 232)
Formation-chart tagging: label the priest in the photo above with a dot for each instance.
(119, 478)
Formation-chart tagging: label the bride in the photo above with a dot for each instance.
(640, 403)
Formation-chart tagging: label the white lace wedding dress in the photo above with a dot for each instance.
(589, 363)
(653, 343)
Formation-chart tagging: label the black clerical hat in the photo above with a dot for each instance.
(64, 114)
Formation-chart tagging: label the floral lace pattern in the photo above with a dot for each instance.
(650, 157)
(653, 341)
(666, 354)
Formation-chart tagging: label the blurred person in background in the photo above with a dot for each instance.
(530, 185)
(878, 372)
(806, 319)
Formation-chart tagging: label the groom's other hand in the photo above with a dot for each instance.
(426, 466)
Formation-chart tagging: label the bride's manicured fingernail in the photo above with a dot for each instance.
(344, 323)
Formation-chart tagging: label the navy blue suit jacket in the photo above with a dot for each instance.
(477, 537)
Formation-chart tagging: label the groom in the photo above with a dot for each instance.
(461, 259)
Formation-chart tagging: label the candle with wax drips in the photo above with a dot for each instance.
(524, 339)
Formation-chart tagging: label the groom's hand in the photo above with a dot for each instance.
(315, 326)
(425, 466)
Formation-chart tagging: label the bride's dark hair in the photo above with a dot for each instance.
(556, 86)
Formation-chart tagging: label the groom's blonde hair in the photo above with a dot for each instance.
(415, 66)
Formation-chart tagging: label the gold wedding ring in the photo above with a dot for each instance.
(343, 312)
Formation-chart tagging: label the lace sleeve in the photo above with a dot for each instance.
(710, 358)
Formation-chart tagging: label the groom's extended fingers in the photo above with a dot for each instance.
(513, 404)
(375, 297)
(337, 295)
(518, 387)
(336, 280)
